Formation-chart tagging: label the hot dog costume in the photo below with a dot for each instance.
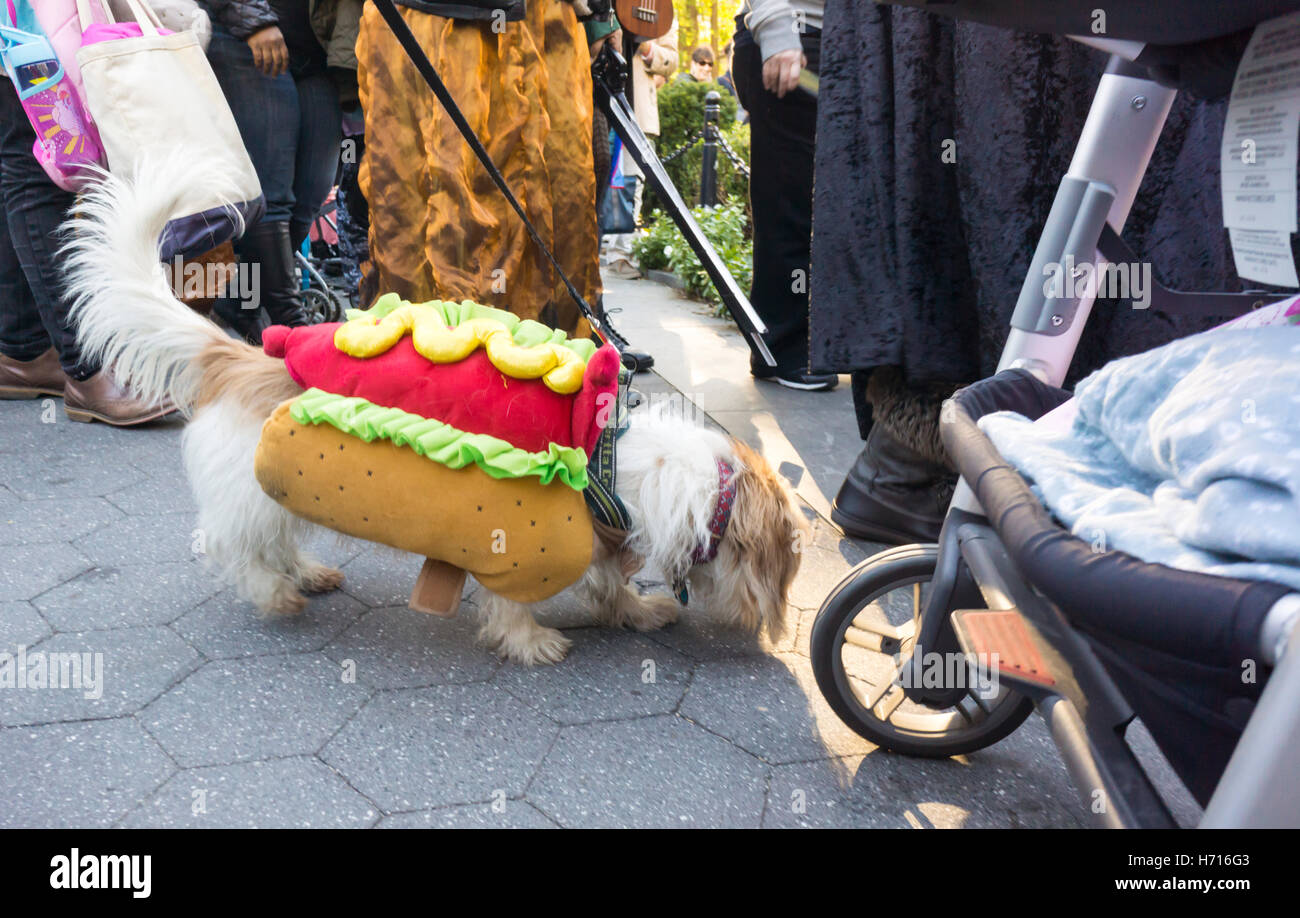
(452, 430)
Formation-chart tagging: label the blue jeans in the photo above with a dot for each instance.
(292, 129)
(33, 301)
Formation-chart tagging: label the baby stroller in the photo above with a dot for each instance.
(322, 269)
(1090, 638)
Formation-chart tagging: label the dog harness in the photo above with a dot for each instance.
(601, 495)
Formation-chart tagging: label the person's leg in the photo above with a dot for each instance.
(34, 210)
(396, 175)
(899, 488)
(316, 160)
(22, 336)
(266, 110)
(782, 135)
(601, 155)
(354, 219)
(618, 261)
(639, 198)
(618, 248)
(35, 314)
(566, 168)
(613, 248)
(29, 364)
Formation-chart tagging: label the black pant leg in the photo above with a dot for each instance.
(22, 335)
(34, 209)
(782, 143)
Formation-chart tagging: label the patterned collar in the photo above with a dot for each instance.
(703, 554)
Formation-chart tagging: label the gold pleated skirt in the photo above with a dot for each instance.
(439, 227)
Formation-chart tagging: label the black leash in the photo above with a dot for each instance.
(422, 63)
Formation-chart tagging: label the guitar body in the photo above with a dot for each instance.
(645, 19)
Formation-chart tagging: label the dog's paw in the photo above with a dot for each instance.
(653, 611)
(536, 647)
(318, 578)
(285, 603)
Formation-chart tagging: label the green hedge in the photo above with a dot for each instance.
(681, 115)
(662, 247)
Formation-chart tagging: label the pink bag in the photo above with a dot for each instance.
(103, 31)
(40, 43)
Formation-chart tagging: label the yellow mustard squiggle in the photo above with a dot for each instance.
(557, 366)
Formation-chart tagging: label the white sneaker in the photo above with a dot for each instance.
(805, 382)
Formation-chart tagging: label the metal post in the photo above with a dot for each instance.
(709, 170)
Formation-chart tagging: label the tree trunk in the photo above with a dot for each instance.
(714, 32)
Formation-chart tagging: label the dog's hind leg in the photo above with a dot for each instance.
(248, 536)
(509, 628)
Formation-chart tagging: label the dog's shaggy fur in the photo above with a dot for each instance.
(128, 318)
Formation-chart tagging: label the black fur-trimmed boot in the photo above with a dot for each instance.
(892, 494)
(268, 246)
(899, 488)
(246, 323)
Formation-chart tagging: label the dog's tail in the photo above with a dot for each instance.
(125, 312)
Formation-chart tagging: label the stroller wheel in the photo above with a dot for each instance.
(864, 635)
(320, 306)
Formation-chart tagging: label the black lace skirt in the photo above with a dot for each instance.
(940, 146)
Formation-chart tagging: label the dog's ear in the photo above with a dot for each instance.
(761, 549)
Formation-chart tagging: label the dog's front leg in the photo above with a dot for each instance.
(314, 577)
(615, 601)
(647, 612)
(509, 628)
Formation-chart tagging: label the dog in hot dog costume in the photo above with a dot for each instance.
(451, 430)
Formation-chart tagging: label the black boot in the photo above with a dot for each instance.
(268, 246)
(893, 493)
(247, 323)
(637, 361)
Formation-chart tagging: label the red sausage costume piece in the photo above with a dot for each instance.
(471, 395)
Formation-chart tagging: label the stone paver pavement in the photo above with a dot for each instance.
(363, 713)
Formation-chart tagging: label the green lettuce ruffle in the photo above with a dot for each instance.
(438, 441)
(526, 332)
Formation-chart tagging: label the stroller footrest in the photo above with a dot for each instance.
(1005, 642)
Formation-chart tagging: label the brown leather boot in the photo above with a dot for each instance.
(31, 378)
(100, 398)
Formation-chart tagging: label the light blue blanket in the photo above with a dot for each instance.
(1187, 455)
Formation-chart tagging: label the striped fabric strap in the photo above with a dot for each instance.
(602, 467)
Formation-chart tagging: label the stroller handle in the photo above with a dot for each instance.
(1279, 623)
(1120, 47)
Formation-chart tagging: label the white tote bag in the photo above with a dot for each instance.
(158, 93)
(177, 15)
